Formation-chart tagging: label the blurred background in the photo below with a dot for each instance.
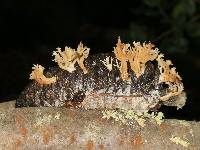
(31, 30)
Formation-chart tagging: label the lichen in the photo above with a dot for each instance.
(45, 119)
(155, 116)
(125, 116)
(159, 118)
(66, 59)
(139, 118)
(178, 140)
(114, 114)
(37, 74)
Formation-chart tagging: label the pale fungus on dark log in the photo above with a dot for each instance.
(102, 101)
(135, 76)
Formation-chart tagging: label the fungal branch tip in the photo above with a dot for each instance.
(66, 59)
(37, 74)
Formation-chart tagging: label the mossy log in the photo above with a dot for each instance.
(61, 128)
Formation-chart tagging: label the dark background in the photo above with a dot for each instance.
(31, 29)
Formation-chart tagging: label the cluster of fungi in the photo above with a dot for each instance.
(137, 55)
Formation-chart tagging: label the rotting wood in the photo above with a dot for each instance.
(61, 128)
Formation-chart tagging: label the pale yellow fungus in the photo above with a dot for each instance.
(137, 56)
(66, 59)
(37, 74)
(108, 62)
(121, 54)
(83, 53)
(170, 77)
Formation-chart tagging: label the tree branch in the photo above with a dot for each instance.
(61, 128)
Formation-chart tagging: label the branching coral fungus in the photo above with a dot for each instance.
(67, 59)
(125, 79)
(137, 57)
(108, 62)
(37, 74)
(170, 77)
(140, 55)
(83, 53)
(121, 54)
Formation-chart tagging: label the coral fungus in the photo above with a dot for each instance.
(137, 56)
(170, 77)
(66, 59)
(37, 74)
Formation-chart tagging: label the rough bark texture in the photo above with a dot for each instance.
(100, 88)
(62, 128)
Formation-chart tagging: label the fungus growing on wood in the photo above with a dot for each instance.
(121, 54)
(108, 62)
(37, 74)
(137, 56)
(66, 59)
(83, 53)
(133, 77)
(170, 77)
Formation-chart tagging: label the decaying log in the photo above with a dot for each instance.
(61, 128)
